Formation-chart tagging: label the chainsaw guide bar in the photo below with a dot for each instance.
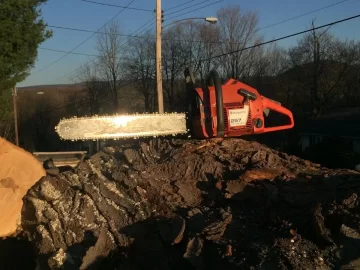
(122, 126)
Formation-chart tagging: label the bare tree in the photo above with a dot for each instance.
(93, 87)
(110, 60)
(323, 65)
(237, 31)
(77, 104)
(198, 42)
(173, 63)
(267, 61)
(210, 45)
(140, 66)
(351, 93)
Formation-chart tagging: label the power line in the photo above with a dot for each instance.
(147, 22)
(138, 35)
(302, 15)
(258, 45)
(193, 11)
(113, 5)
(140, 9)
(78, 70)
(81, 42)
(68, 75)
(183, 4)
(135, 36)
(188, 7)
(88, 31)
(176, 11)
(281, 38)
(54, 50)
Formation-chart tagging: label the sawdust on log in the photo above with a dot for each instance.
(173, 204)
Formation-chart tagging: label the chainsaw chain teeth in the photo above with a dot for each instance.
(122, 126)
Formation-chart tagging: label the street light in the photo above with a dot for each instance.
(211, 20)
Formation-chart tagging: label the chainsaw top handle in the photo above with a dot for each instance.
(214, 78)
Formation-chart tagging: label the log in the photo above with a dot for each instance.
(19, 170)
(194, 205)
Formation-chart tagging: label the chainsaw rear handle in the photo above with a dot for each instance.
(270, 104)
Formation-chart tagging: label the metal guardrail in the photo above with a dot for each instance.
(71, 158)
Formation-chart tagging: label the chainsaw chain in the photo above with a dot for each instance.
(97, 124)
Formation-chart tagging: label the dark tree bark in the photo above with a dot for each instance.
(195, 205)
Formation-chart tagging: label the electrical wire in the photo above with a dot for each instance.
(173, 17)
(193, 41)
(106, 4)
(78, 70)
(302, 15)
(281, 38)
(113, 5)
(180, 5)
(88, 31)
(56, 61)
(176, 11)
(187, 7)
(54, 50)
(250, 47)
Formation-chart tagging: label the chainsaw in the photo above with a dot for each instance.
(230, 110)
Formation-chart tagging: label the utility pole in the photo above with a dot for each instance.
(15, 116)
(158, 57)
(316, 58)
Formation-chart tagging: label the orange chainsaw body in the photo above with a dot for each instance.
(231, 110)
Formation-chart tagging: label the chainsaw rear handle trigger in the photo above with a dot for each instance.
(272, 105)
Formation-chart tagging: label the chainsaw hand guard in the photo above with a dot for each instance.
(274, 106)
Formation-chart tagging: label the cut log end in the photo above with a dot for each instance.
(19, 171)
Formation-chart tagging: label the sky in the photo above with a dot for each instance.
(84, 15)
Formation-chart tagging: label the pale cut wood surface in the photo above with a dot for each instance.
(19, 171)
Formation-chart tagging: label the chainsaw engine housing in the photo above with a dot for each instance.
(231, 110)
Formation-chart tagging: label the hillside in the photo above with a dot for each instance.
(61, 87)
